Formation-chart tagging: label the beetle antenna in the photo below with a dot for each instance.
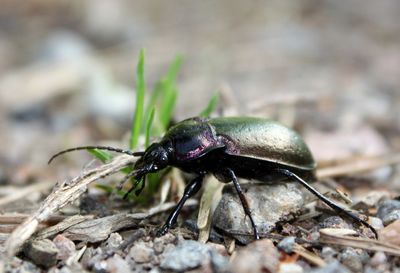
(330, 203)
(112, 149)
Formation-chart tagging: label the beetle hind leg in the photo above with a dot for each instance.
(244, 202)
(330, 203)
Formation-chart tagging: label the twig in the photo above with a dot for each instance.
(359, 165)
(62, 195)
(60, 227)
(96, 230)
(364, 243)
(308, 255)
(20, 193)
(19, 218)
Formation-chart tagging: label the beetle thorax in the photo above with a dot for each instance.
(191, 139)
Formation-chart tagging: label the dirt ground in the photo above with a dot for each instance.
(329, 69)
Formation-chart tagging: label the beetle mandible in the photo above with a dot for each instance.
(228, 147)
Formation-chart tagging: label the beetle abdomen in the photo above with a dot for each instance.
(263, 139)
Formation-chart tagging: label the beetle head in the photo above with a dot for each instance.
(155, 158)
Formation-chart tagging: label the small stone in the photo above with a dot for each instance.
(158, 245)
(391, 233)
(116, 264)
(42, 252)
(100, 267)
(17, 265)
(114, 241)
(391, 217)
(269, 205)
(259, 256)
(65, 246)
(352, 259)
(287, 244)
(378, 259)
(192, 254)
(389, 211)
(169, 239)
(333, 267)
(290, 268)
(188, 255)
(328, 253)
(141, 253)
(375, 222)
(334, 222)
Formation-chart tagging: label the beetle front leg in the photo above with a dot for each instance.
(191, 189)
(244, 202)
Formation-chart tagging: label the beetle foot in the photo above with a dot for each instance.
(162, 231)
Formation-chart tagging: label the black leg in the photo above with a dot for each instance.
(191, 189)
(244, 202)
(330, 203)
(139, 191)
(137, 182)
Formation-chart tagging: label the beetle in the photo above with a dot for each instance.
(228, 148)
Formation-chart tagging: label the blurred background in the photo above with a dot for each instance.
(330, 69)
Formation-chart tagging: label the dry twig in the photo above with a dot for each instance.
(358, 165)
(328, 237)
(62, 195)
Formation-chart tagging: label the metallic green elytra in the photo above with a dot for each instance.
(264, 139)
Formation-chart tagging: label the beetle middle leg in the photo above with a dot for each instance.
(330, 203)
(191, 189)
(243, 200)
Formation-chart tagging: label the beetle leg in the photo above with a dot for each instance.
(139, 191)
(244, 202)
(327, 201)
(191, 189)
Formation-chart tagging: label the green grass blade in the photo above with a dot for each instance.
(103, 156)
(174, 68)
(167, 108)
(170, 92)
(140, 91)
(149, 124)
(108, 189)
(212, 104)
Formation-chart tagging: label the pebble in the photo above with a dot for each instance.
(375, 222)
(334, 222)
(389, 211)
(116, 264)
(100, 267)
(328, 253)
(333, 267)
(158, 245)
(378, 259)
(16, 265)
(42, 252)
(259, 256)
(141, 253)
(353, 259)
(269, 204)
(66, 247)
(290, 268)
(191, 254)
(391, 233)
(287, 244)
(114, 241)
